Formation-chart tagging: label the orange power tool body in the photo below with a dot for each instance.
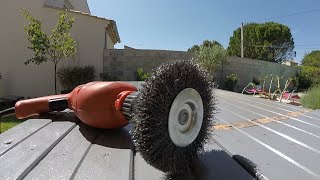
(97, 104)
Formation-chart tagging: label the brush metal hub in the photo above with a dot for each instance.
(185, 117)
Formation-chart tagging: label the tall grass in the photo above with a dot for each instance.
(312, 98)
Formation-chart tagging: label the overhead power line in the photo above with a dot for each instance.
(290, 15)
(307, 45)
(302, 48)
(297, 45)
(299, 48)
(271, 46)
(296, 14)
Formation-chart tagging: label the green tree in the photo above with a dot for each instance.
(55, 47)
(268, 41)
(308, 77)
(312, 59)
(205, 43)
(309, 74)
(211, 57)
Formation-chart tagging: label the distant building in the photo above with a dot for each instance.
(127, 47)
(290, 63)
(93, 35)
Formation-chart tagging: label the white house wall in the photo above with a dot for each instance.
(38, 80)
(109, 41)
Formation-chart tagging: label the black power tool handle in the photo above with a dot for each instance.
(7, 112)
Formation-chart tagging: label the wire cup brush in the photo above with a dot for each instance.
(172, 115)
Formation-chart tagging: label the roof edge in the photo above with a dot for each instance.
(112, 22)
(114, 25)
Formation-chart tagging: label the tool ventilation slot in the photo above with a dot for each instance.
(128, 105)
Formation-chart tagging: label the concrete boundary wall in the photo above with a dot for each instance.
(246, 69)
(123, 63)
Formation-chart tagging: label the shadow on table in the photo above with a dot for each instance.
(214, 165)
(113, 138)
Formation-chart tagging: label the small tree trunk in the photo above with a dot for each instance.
(55, 78)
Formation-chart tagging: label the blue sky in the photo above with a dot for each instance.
(179, 24)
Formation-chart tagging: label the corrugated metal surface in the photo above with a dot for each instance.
(280, 141)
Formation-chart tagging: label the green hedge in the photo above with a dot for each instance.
(71, 77)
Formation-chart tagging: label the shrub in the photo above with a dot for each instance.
(105, 76)
(231, 82)
(211, 57)
(312, 98)
(71, 77)
(308, 77)
(141, 75)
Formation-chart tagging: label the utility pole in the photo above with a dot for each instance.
(242, 54)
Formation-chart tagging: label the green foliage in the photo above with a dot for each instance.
(71, 77)
(312, 59)
(141, 75)
(268, 41)
(211, 57)
(312, 98)
(39, 41)
(105, 76)
(205, 43)
(55, 47)
(231, 82)
(309, 76)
